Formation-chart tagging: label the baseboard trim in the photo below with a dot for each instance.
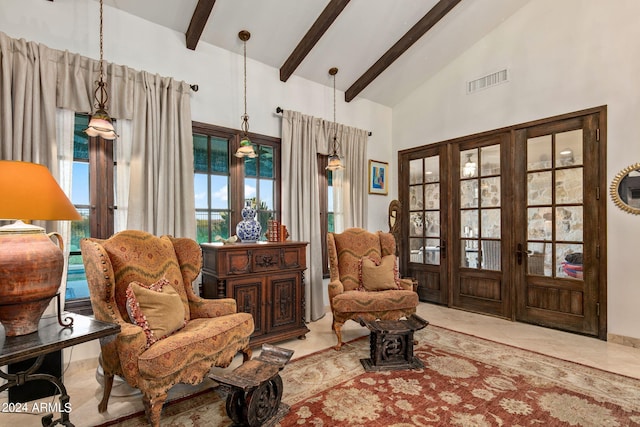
(624, 340)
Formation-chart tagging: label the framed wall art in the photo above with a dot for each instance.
(378, 177)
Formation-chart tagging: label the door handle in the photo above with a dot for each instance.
(443, 249)
(520, 253)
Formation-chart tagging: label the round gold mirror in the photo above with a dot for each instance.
(625, 189)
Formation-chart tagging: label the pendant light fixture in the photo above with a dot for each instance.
(246, 147)
(100, 123)
(334, 159)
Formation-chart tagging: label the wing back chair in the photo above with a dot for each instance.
(211, 334)
(350, 296)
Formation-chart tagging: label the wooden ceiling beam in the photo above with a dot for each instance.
(198, 22)
(322, 24)
(418, 30)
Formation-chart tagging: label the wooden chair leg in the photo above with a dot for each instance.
(106, 392)
(337, 328)
(153, 408)
(246, 354)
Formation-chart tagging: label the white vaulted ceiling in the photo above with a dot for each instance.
(362, 32)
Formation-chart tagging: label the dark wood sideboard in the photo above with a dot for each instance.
(266, 280)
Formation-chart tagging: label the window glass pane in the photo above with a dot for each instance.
(415, 171)
(569, 185)
(490, 190)
(250, 187)
(491, 223)
(432, 252)
(469, 223)
(80, 184)
(77, 286)
(416, 223)
(263, 218)
(539, 259)
(416, 252)
(219, 155)
(200, 153)
(250, 165)
(415, 194)
(539, 224)
(432, 224)
(569, 224)
(201, 190)
(539, 153)
(80, 138)
(266, 194)
(219, 192)
(539, 188)
(432, 169)
(469, 254)
(569, 261)
(432, 196)
(202, 226)
(490, 160)
(491, 255)
(220, 224)
(266, 161)
(469, 163)
(79, 229)
(569, 148)
(469, 194)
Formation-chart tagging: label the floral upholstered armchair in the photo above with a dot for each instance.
(168, 334)
(364, 281)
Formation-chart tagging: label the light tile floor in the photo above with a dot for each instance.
(85, 391)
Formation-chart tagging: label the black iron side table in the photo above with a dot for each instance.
(50, 337)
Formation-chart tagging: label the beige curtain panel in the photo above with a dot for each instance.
(303, 138)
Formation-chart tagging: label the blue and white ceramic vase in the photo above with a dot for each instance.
(248, 230)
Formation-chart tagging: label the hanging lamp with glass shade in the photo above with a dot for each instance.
(100, 123)
(246, 147)
(335, 163)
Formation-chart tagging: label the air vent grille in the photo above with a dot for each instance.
(488, 81)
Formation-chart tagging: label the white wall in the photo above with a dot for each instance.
(563, 56)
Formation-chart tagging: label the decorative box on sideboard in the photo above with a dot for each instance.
(266, 279)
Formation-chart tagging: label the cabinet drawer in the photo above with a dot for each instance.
(267, 259)
(237, 262)
(293, 258)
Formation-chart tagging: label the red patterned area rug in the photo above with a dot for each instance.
(466, 381)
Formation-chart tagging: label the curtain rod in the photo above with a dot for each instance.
(280, 110)
(194, 87)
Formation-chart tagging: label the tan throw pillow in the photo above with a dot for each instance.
(156, 308)
(378, 276)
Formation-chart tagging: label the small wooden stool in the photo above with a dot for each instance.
(255, 388)
(391, 343)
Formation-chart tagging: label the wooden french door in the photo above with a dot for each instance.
(480, 225)
(512, 223)
(425, 252)
(558, 225)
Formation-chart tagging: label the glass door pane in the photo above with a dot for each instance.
(424, 210)
(555, 205)
(480, 208)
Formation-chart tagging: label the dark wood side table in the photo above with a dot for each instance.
(391, 344)
(50, 337)
(266, 279)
